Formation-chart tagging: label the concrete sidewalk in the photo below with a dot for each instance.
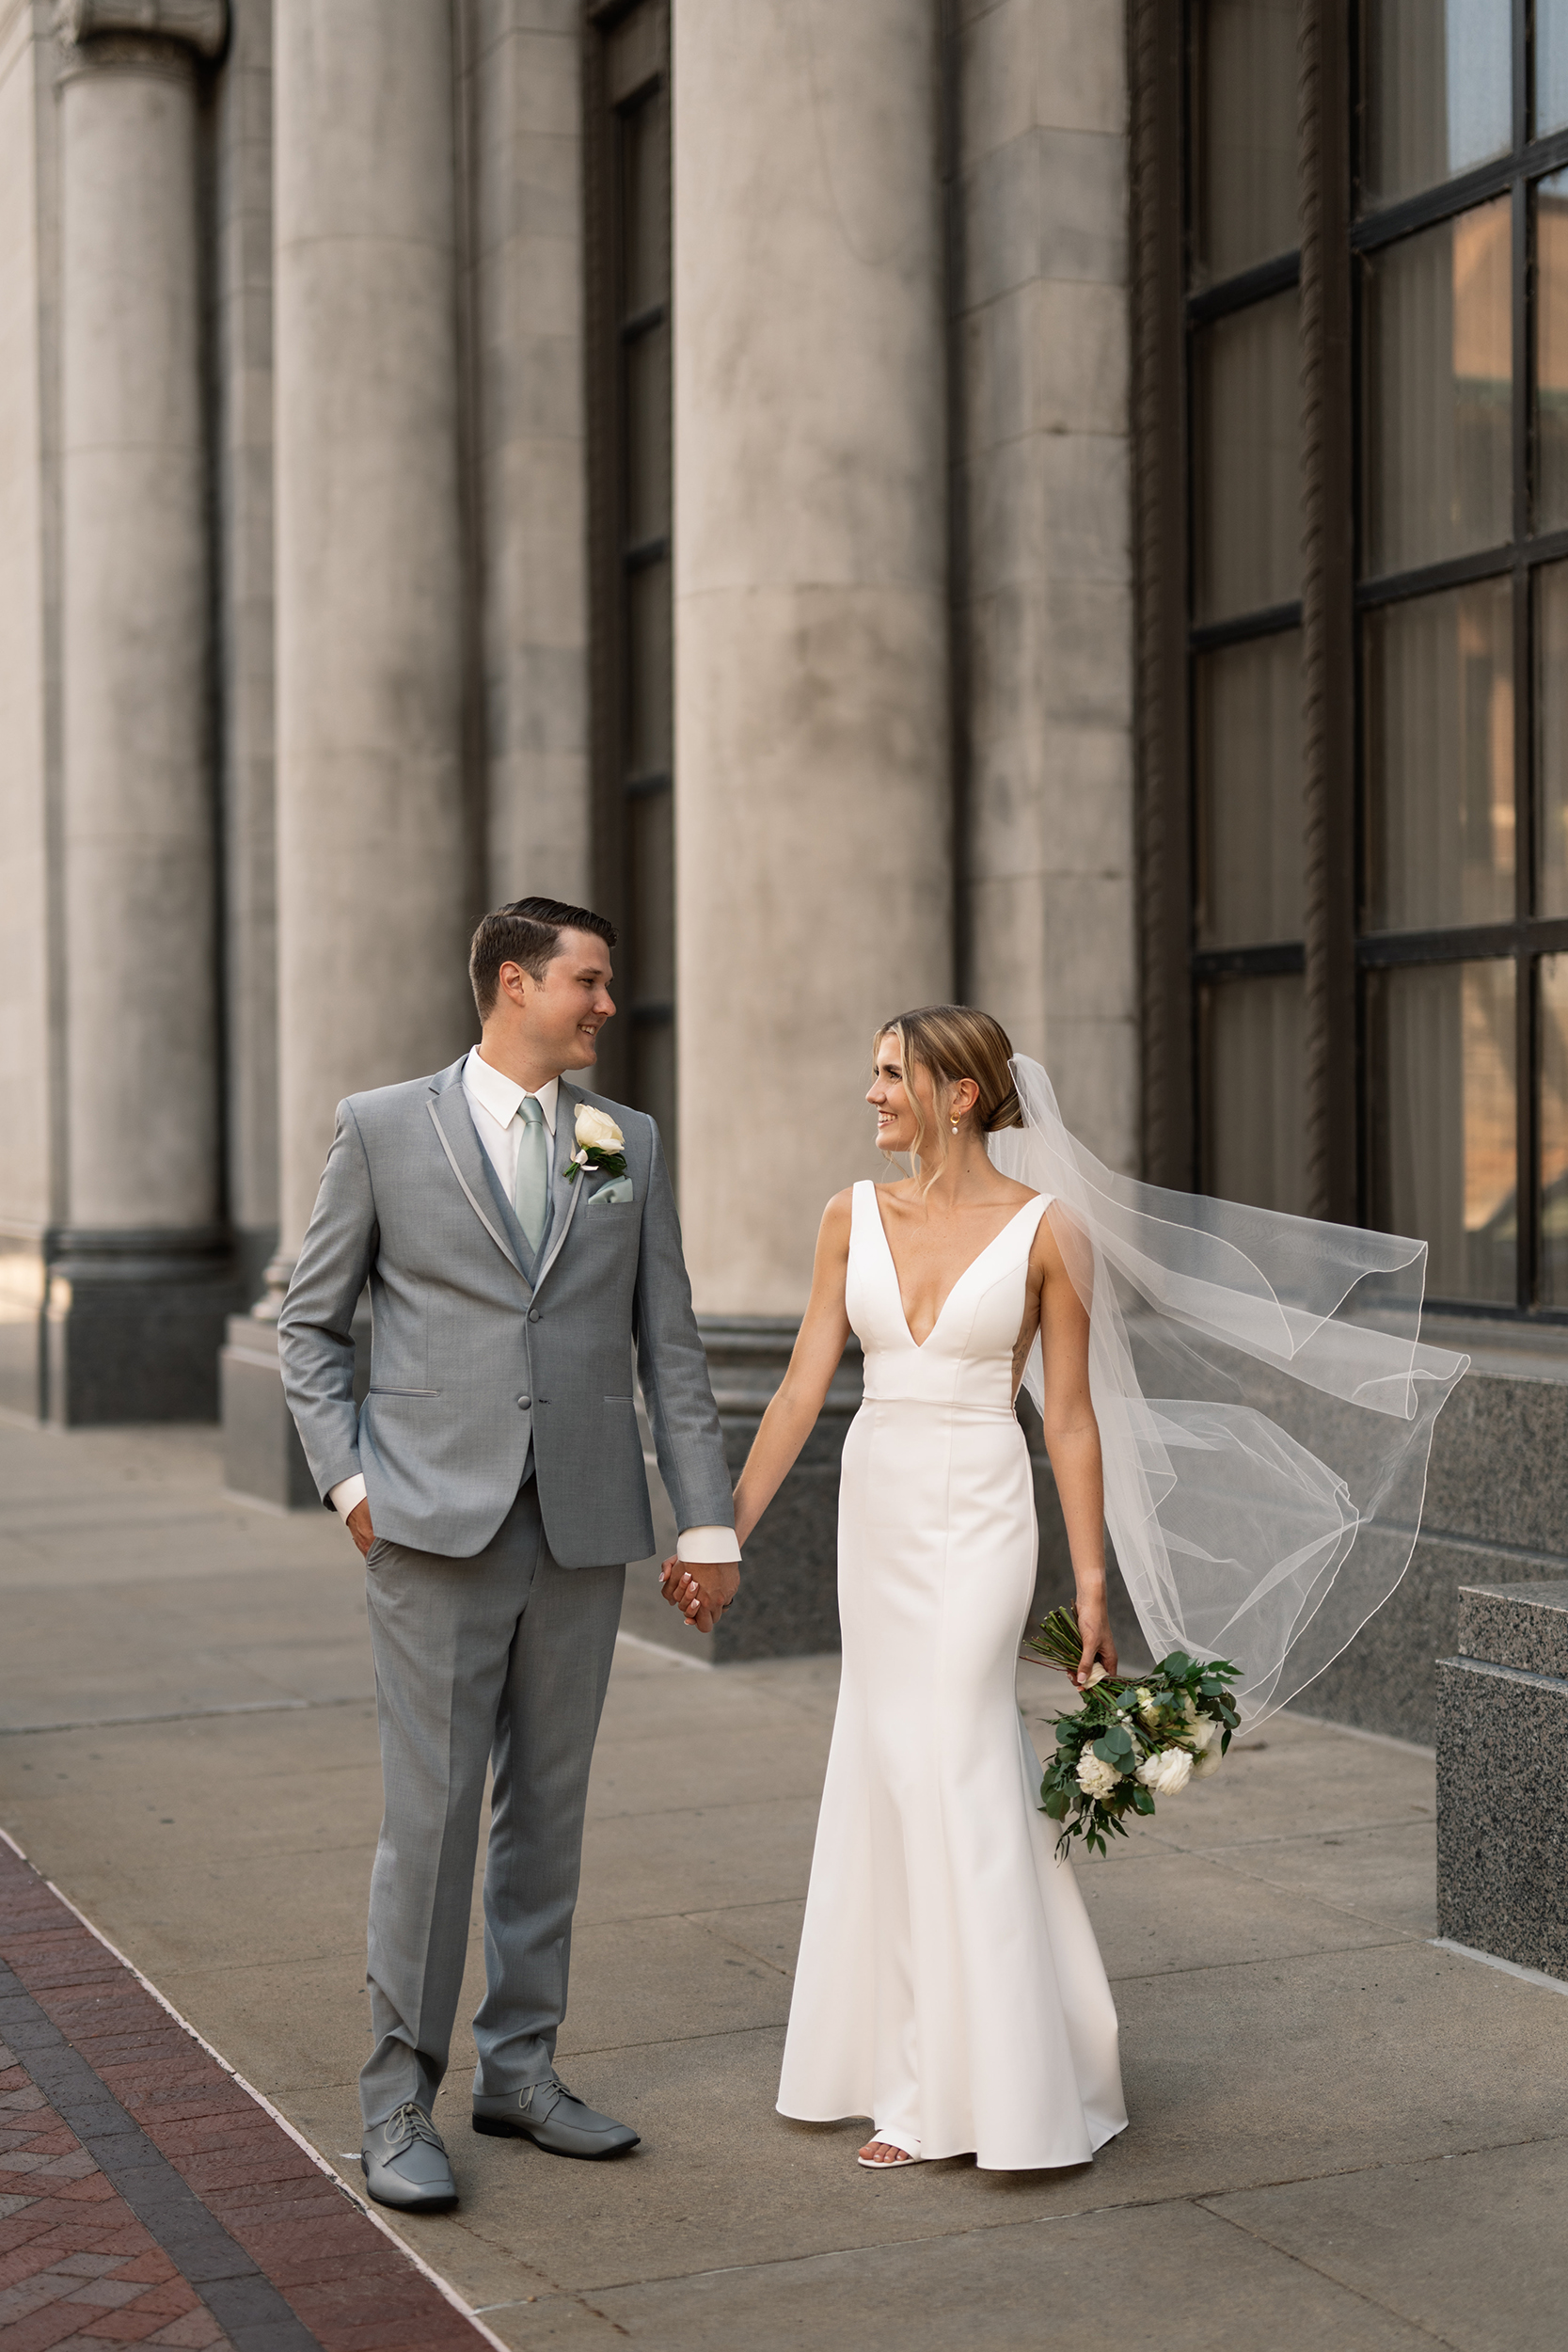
(1341, 2134)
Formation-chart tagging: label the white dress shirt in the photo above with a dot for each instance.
(493, 1102)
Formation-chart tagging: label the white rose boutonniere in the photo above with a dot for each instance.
(600, 1144)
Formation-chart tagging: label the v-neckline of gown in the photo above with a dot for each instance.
(919, 1345)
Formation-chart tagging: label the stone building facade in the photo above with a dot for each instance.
(888, 501)
(319, 456)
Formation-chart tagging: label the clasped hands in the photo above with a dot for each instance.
(701, 1590)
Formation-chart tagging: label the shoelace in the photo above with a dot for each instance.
(408, 2124)
(535, 2090)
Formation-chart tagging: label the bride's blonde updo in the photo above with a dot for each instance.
(955, 1042)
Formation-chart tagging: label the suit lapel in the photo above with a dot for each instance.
(449, 1111)
(565, 1193)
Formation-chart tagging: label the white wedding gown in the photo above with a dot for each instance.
(949, 1986)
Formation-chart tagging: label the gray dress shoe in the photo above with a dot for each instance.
(406, 2163)
(548, 2114)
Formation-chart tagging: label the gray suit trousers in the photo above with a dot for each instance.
(504, 1654)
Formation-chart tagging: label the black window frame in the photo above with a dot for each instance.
(1340, 954)
(614, 88)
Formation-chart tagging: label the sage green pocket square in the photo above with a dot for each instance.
(617, 1190)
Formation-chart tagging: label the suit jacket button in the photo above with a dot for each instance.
(533, 1315)
(525, 1400)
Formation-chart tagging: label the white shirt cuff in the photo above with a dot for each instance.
(704, 1547)
(345, 1494)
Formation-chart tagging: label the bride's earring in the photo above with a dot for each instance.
(955, 1126)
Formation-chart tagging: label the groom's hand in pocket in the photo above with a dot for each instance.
(702, 1591)
(358, 1525)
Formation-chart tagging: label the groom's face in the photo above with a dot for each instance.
(567, 1010)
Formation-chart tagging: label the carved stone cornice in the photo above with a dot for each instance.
(197, 25)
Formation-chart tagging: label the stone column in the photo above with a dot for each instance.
(812, 817)
(813, 801)
(522, 100)
(373, 850)
(242, 307)
(138, 1286)
(1047, 585)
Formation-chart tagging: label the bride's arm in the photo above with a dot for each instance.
(799, 1396)
(1073, 1441)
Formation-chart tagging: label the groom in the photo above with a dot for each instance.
(520, 1240)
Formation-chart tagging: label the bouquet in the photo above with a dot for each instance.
(1130, 1743)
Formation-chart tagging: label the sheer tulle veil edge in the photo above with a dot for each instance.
(1265, 1401)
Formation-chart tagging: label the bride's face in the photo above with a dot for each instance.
(889, 1095)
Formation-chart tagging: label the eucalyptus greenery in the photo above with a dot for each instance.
(1120, 1750)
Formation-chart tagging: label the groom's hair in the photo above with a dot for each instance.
(527, 932)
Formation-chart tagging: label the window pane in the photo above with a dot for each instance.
(1439, 92)
(1439, 392)
(645, 202)
(1439, 705)
(652, 830)
(1551, 722)
(1247, 439)
(1551, 66)
(1554, 1130)
(1551, 353)
(1249, 815)
(652, 1080)
(651, 656)
(1244, 95)
(1254, 1109)
(1442, 1114)
(647, 429)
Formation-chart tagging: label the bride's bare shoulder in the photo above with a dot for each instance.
(837, 1214)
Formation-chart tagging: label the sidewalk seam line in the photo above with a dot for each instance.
(1361, 2294)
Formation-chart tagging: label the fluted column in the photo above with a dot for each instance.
(373, 840)
(813, 817)
(136, 1299)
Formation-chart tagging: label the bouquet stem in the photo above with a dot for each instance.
(1058, 1641)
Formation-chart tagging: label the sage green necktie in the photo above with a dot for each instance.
(532, 1195)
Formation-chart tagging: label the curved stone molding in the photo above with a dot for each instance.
(199, 25)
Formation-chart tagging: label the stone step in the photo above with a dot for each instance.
(1516, 1625)
(1502, 1776)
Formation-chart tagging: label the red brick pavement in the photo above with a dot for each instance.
(77, 2265)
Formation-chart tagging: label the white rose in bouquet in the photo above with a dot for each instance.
(1206, 1742)
(597, 1130)
(1167, 1773)
(1095, 1776)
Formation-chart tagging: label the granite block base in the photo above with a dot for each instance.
(263, 1457)
(787, 1606)
(134, 1324)
(1502, 1778)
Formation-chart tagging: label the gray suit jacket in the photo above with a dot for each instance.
(469, 1360)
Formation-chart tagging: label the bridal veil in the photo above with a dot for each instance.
(1265, 1404)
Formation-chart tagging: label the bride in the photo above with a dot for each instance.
(948, 1984)
(1263, 1500)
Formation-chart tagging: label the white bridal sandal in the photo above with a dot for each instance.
(886, 2164)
